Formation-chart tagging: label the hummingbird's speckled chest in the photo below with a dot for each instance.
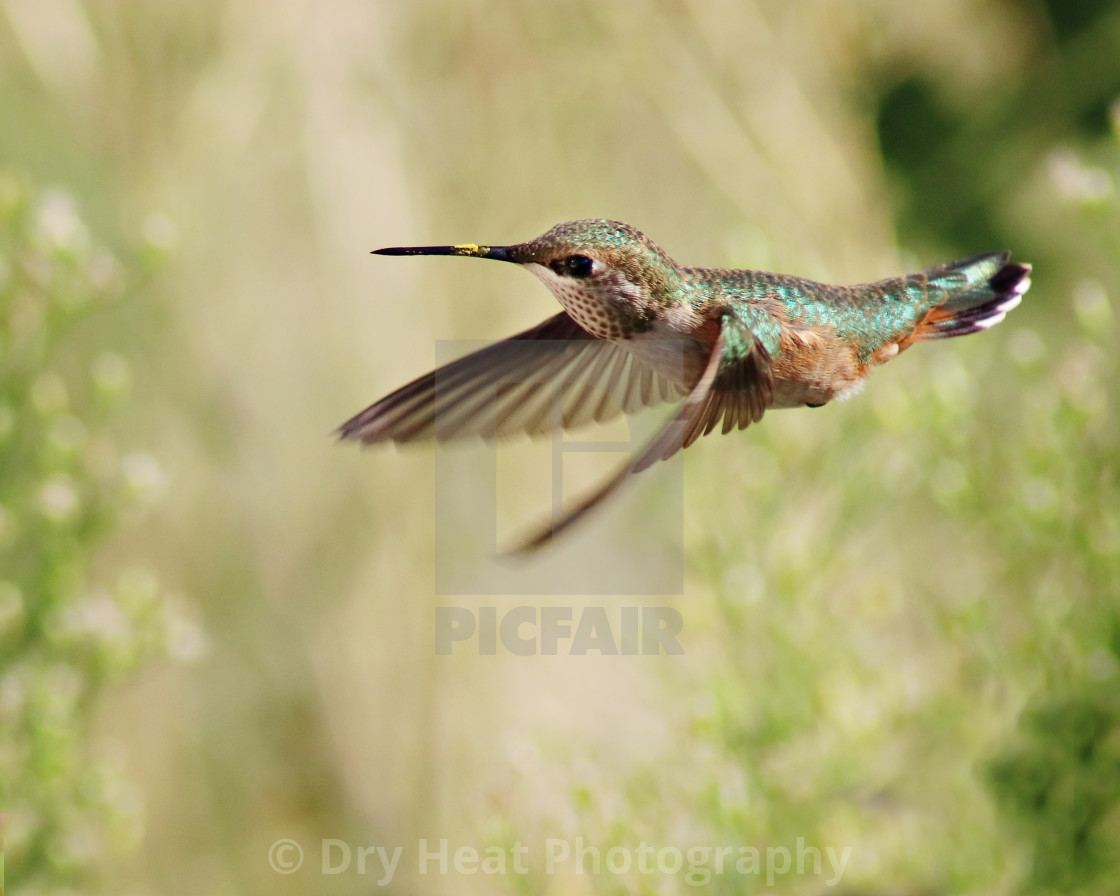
(597, 310)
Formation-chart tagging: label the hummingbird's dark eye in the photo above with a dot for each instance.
(578, 265)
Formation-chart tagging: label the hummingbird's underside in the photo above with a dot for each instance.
(638, 330)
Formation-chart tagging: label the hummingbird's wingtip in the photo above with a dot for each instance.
(512, 559)
(527, 548)
(343, 434)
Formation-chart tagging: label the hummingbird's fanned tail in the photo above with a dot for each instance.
(553, 375)
(974, 294)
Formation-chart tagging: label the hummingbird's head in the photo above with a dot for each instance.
(611, 278)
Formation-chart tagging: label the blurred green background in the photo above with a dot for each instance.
(901, 614)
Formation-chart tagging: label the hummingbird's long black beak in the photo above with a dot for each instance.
(498, 253)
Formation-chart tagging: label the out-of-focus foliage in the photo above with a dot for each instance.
(65, 483)
(1059, 783)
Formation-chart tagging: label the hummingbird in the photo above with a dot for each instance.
(638, 329)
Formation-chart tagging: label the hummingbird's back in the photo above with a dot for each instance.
(947, 300)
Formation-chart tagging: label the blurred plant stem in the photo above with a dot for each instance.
(65, 483)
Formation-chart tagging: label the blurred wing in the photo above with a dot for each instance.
(553, 375)
(735, 386)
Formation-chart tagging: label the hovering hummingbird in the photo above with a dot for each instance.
(639, 329)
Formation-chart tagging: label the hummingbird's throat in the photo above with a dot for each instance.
(584, 303)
